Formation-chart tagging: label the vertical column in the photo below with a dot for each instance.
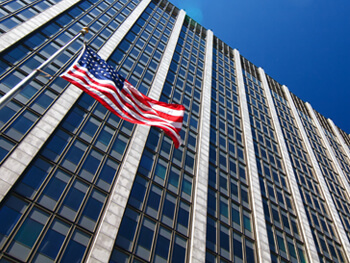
(24, 153)
(108, 229)
(262, 244)
(17, 33)
(340, 138)
(199, 222)
(329, 149)
(333, 211)
(300, 209)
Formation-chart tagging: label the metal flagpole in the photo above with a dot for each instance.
(16, 89)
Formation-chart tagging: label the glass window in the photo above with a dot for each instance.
(173, 180)
(145, 240)
(237, 247)
(92, 210)
(186, 187)
(127, 229)
(224, 241)
(90, 129)
(163, 245)
(104, 138)
(54, 189)
(10, 213)
(73, 200)
(76, 247)
(146, 163)
(56, 145)
(160, 171)
(52, 242)
(107, 174)
(153, 202)
(21, 125)
(119, 146)
(27, 235)
(138, 192)
(168, 210)
(74, 155)
(9, 23)
(183, 218)
(90, 165)
(33, 178)
(72, 122)
(211, 234)
(179, 251)
(5, 147)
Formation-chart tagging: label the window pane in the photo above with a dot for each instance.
(74, 155)
(76, 247)
(73, 200)
(21, 125)
(179, 252)
(92, 210)
(33, 178)
(145, 239)
(162, 247)
(52, 241)
(28, 234)
(90, 166)
(54, 189)
(127, 229)
(10, 213)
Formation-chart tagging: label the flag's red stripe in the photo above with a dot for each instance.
(166, 117)
(115, 103)
(163, 115)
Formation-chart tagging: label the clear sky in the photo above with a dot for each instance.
(303, 44)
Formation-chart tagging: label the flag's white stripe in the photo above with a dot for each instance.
(154, 107)
(121, 113)
(161, 122)
(132, 111)
(128, 100)
(137, 102)
(169, 111)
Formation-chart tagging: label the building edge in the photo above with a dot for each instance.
(333, 211)
(340, 227)
(298, 202)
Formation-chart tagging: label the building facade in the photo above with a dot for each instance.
(261, 175)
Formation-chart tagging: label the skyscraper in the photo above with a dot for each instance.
(261, 175)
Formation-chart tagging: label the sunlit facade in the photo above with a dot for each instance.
(261, 176)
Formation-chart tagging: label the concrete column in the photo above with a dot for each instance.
(108, 228)
(299, 206)
(199, 221)
(323, 185)
(261, 238)
(19, 32)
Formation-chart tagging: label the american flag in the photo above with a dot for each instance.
(94, 76)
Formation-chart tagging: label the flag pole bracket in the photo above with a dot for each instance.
(46, 75)
(84, 31)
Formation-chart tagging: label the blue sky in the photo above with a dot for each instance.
(303, 44)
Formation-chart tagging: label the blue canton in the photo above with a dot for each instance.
(99, 68)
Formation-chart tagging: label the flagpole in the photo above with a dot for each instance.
(16, 89)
